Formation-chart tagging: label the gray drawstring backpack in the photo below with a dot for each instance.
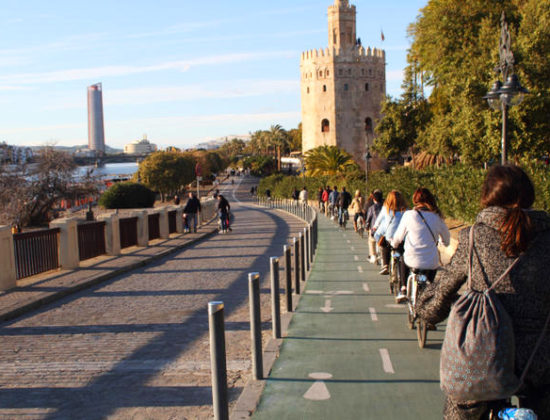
(478, 353)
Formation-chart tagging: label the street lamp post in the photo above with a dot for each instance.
(511, 93)
(367, 158)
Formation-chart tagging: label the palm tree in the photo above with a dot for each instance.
(328, 160)
(279, 139)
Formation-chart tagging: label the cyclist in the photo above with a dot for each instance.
(386, 224)
(223, 211)
(372, 214)
(344, 201)
(326, 193)
(357, 207)
(420, 230)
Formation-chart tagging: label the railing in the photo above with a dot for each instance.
(154, 226)
(128, 232)
(36, 252)
(91, 240)
(172, 225)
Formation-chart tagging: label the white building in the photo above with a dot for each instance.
(140, 147)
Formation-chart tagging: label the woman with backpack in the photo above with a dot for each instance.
(417, 236)
(509, 244)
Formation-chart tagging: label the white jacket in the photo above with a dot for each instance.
(420, 247)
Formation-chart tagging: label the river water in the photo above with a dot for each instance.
(109, 170)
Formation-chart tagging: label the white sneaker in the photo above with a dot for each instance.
(384, 270)
(372, 259)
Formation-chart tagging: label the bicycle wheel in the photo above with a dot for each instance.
(421, 333)
(394, 286)
(410, 318)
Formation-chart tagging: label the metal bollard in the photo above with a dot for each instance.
(307, 248)
(217, 360)
(288, 275)
(255, 325)
(302, 256)
(296, 246)
(275, 297)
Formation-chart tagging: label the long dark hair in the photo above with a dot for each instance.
(509, 187)
(423, 197)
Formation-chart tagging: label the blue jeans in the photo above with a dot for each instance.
(192, 221)
(342, 213)
(224, 219)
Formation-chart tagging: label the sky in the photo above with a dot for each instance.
(180, 71)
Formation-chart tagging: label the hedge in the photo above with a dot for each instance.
(457, 187)
(127, 195)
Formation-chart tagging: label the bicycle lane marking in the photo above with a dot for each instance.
(386, 361)
(373, 314)
(366, 287)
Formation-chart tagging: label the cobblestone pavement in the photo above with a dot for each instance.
(136, 347)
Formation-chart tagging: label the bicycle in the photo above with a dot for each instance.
(343, 218)
(395, 273)
(416, 281)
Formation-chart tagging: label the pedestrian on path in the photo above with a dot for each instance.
(505, 229)
(320, 199)
(357, 208)
(191, 210)
(223, 212)
(386, 224)
(303, 196)
(418, 236)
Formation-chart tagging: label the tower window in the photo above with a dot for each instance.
(325, 126)
(327, 73)
(307, 90)
(320, 73)
(349, 72)
(340, 72)
(368, 125)
(346, 86)
(324, 88)
(366, 87)
(362, 72)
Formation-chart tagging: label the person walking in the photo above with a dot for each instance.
(417, 237)
(326, 193)
(344, 201)
(333, 200)
(303, 196)
(320, 199)
(386, 224)
(372, 214)
(191, 210)
(505, 228)
(295, 196)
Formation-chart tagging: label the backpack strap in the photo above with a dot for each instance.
(427, 225)
(471, 261)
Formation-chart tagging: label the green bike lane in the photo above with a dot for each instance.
(348, 353)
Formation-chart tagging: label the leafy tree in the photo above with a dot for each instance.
(259, 165)
(28, 194)
(295, 139)
(328, 160)
(455, 49)
(278, 138)
(232, 149)
(166, 172)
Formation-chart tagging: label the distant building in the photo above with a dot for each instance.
(96, 130)
(140, 147)
(342, 88)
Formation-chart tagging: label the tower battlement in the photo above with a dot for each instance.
(342, 87)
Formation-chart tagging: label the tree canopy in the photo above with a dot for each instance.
(328, 160)
(454, 51)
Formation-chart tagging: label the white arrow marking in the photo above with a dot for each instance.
(348, 241)
(356, 257)
(386, 361)
(373, 315)
(366, 287)
(359, 268)
(318, 391)
(327, 308)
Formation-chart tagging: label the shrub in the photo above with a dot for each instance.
(127, 195)
(457, 188)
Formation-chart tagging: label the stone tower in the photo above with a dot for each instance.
(342, 87)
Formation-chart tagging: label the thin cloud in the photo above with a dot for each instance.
(117, 71)
(394, 75)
